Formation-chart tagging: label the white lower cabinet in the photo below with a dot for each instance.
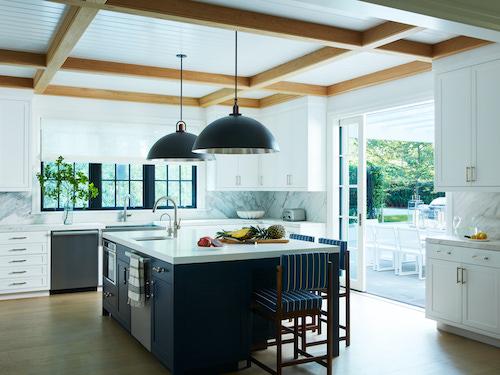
(464, 290)
(24, 262)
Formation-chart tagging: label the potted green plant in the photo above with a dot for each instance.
(67, 184)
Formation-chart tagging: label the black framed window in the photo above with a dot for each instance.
(52, 204)
(144, 183)
(178, 182)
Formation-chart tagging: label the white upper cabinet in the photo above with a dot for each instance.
(14, 145)
(468, 123)
(299, 127)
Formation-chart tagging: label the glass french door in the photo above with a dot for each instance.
(351, 192)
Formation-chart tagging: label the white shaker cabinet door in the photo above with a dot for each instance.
(487, 125)
(481, 297)
(453, 129)
(226, 171)
(14, 145)
(248, 171)
(444, 290)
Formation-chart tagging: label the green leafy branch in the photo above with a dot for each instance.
(74, 185)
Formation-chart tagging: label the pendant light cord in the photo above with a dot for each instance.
(236, 110)
(181, 84)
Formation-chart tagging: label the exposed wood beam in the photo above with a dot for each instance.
(16, 82)
(143, 71)
(217, 97)
(81, 92)
(388, 32)
(276, 99)
(28, 59)
(295, 88)
(244, 102)
(456, 45)
(386, 75)
(74, 24)
(418, 51)
(298, 65)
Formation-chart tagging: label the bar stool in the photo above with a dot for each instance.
(301, 237)
(296, 277)
(344, 266)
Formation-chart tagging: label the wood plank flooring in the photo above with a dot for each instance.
(66, 335)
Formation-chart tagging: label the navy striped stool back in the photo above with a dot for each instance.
(305, 271)
(301, 237)
(343, 248)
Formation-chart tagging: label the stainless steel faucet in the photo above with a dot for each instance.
(176, 225)
(125, 207)
(169, 230)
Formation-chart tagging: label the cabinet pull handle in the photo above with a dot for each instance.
(458, 276)
(467, 174)
(108, 294)
(125, 275)
(18, 261)
(16, 272)
(159, 269)
(21, 283)
(24, 249)
(473, 173)
(463, 275)
(18, 238)
(261, 180)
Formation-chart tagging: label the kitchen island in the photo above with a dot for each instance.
(197, 318)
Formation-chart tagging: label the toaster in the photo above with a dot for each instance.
(294, 214)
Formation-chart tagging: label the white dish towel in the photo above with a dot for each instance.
(136, 293)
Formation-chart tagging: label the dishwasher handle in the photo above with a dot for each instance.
(74, 232)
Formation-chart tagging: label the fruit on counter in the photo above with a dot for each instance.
(479, 236)
(209, 242)
(257, 233)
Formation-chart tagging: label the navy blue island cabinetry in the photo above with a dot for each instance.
(201, 321)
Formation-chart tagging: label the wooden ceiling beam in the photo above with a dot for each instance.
(456, 45)
(388, 32)
(19, 58)
(386, 75)
(243, 102)
(416, 50)
(16, 82)
(142, 71)
(295, 88)
(74, 24)
(276, 99)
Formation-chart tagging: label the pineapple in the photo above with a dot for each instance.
(276, 232)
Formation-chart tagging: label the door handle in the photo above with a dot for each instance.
(463, 275)
(360, 218)
(458, 275)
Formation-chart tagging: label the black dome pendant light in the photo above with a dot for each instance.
(177, 147)
(235, 134)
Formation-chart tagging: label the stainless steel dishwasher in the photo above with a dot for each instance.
(74, 261)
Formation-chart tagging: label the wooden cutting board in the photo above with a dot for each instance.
(252, 242)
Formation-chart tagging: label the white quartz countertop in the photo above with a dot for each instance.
(184, 249)
(185, 223)
(462, 242)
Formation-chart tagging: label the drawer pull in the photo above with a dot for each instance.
(21, 249)
(18, 261)
(159, 269)
(15, 284)
(448, 252)
(477, 256)
(18, 238)
(108, 294)
(17, 272)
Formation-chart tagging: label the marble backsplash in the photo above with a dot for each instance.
(15, 208)
(273, 202)
(478, 209)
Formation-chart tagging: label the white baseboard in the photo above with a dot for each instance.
(4, 297)
(468, 334)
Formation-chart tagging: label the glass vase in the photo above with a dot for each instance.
(68, 214)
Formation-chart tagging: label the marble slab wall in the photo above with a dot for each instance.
(478, 209)
(15, 208)
(273, 202)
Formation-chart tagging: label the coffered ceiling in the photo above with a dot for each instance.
(118, 48)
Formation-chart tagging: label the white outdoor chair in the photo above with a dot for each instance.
(410, 243)
(386, 247)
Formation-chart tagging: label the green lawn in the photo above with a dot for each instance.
(395, 218)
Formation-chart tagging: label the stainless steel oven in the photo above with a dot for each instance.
(109, 261)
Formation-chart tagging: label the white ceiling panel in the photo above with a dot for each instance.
(255, 94)
(300, 11)
(148, 41)
(122, 83)
(430, 36)
(350, 67)
(16, 71)
(28, 25)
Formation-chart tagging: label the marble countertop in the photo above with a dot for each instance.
(184, 249)
(184, 223)
(462, 242)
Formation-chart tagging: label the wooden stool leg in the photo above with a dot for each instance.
(303, 333)
(295, 338)
(347, 300)
(278, 346)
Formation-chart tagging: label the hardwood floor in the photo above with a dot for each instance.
(66, 335)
